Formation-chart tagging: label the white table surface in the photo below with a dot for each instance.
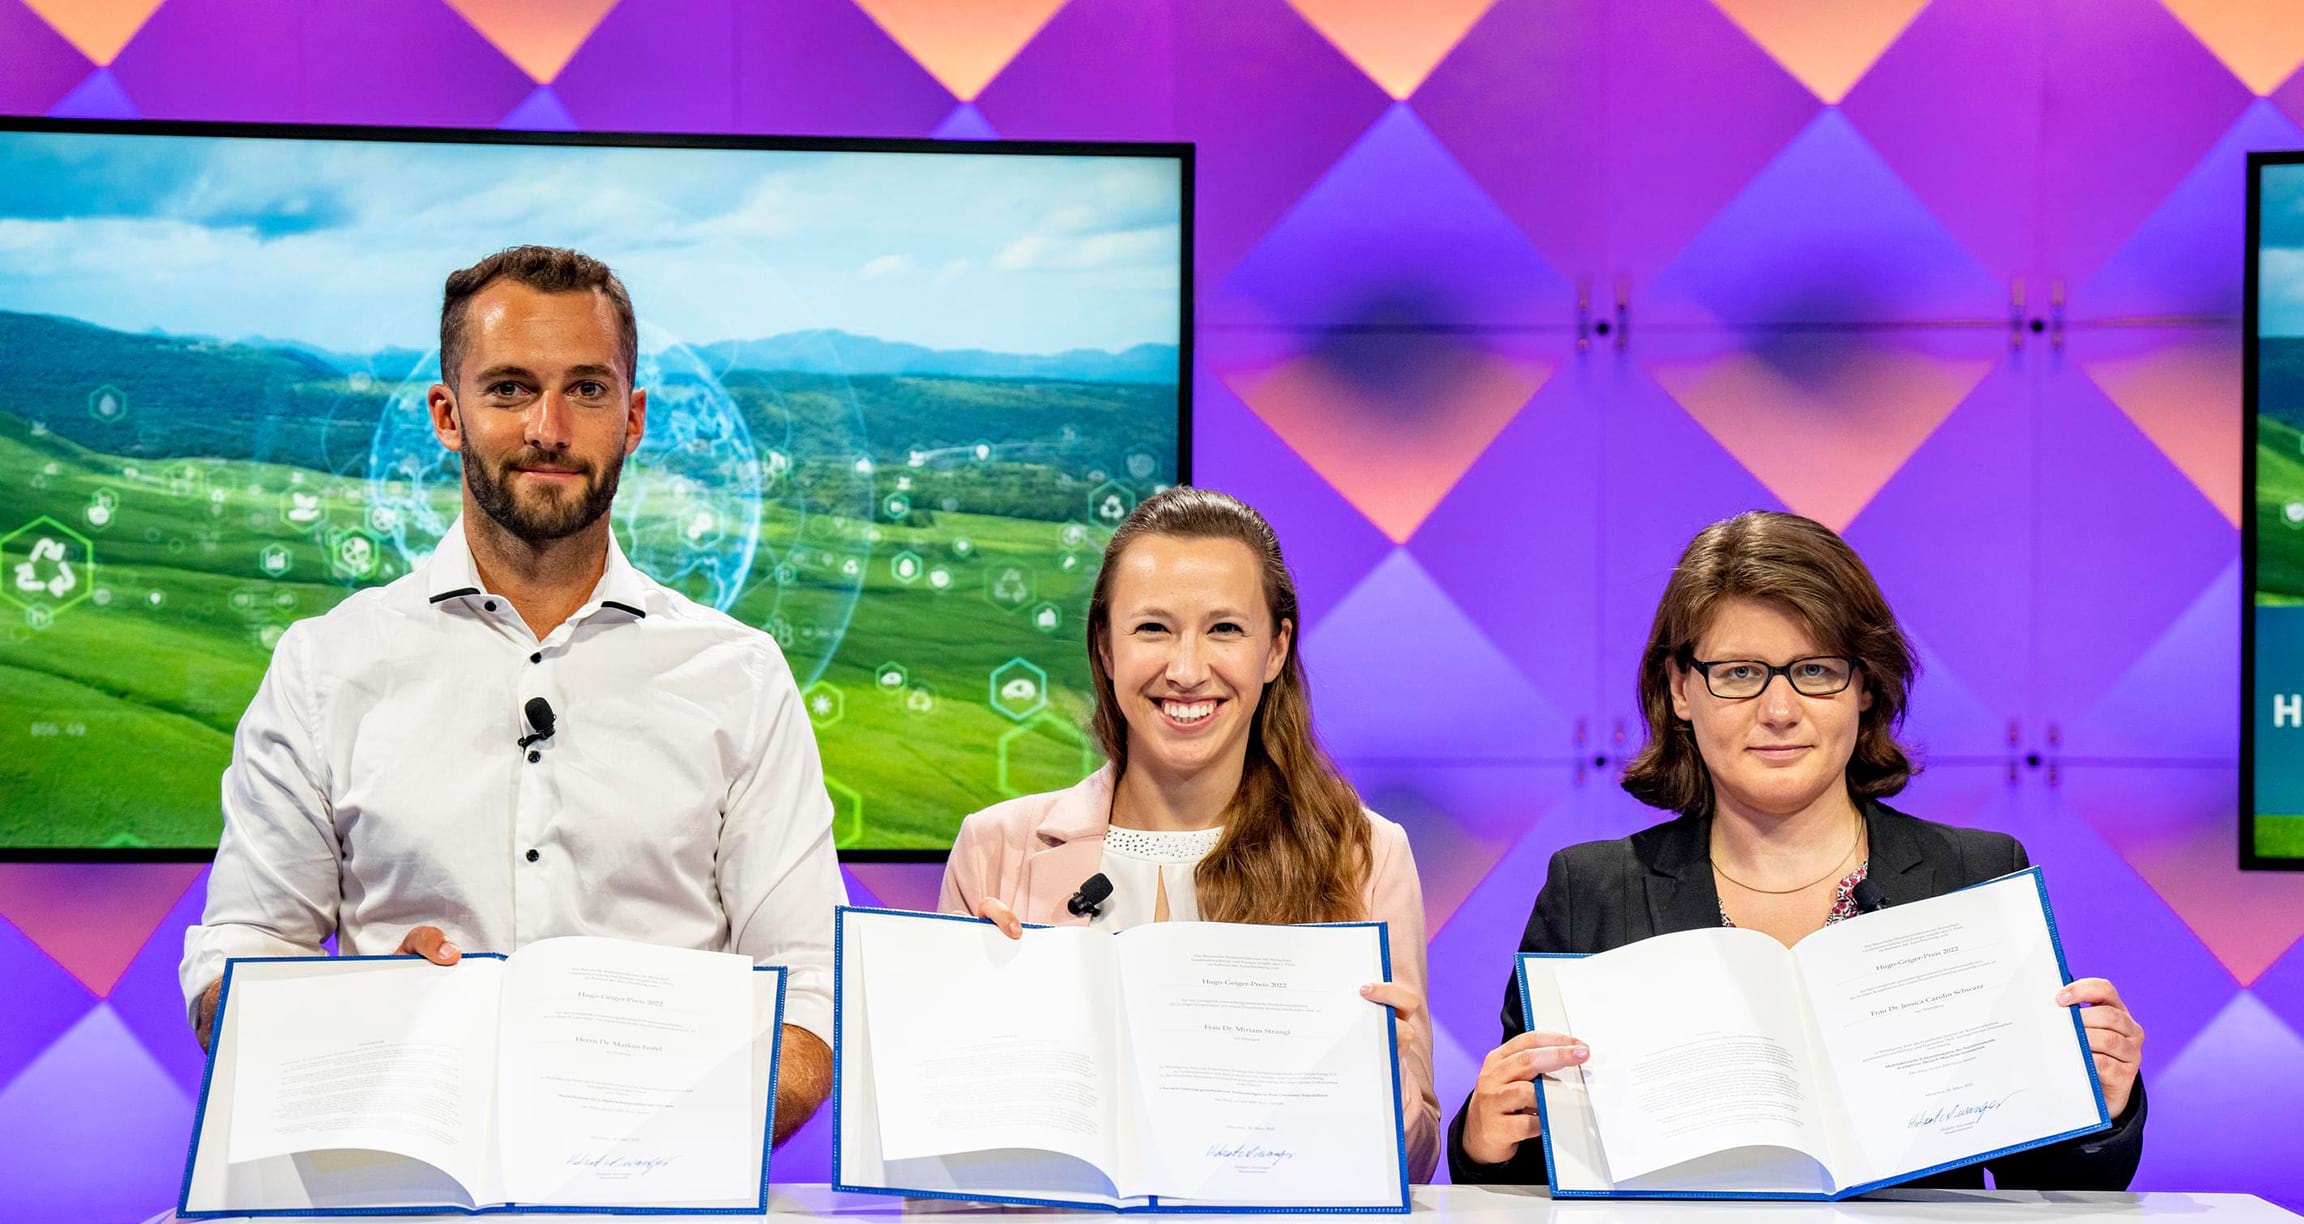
(1494, 1205)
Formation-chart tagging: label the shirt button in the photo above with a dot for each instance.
(538, 657)
(490, 605)
(533, 856)
(534, 756)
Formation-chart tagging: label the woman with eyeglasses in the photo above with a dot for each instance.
(1773, 683)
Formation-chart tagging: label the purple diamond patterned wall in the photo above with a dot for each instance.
(1807, 243)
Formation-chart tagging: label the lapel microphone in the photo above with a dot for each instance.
(539, 713)
(1089, 901)
(1867, 896)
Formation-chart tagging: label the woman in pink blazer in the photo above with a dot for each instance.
(1216, 803)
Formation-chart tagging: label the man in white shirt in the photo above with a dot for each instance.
(527, 737)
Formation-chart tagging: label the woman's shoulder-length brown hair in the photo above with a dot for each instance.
(1802, 566)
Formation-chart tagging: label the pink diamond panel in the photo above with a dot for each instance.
(1969, 606)
(2126, 544)
(414, 63)
(620, 79)
(2186, 258)
(1826, 234)
(193, 60)
(2118, 922)
(1270, 104)
(1442, 254)
(1694, 109)
(1954, 106)
(1662, 480)
(1415, 680)
(97, 1131)
(41, 66)
(2227, 1107)
(823, 68)
(1099, 70)
(1329, 545)
(1496, 546)
(1514, 103)
(149, 999)
(2116, 147)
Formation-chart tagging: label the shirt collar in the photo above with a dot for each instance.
(451, 572)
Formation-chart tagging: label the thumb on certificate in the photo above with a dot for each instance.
(2094, 991)
(1001, 916)
(1405, 1001)
(431, 943)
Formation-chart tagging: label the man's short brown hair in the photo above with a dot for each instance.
(1802, 567)
(546, 270)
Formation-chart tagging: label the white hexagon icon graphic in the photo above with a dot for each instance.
(354, 553)
(303, 509)
(825, 703)
(1109, 504)
(1008, 587)
(1019, 689)
(46, 566)
(108, 403)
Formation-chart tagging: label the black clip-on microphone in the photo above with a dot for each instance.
(1867, 896)
(540, 717)
(1089, 901)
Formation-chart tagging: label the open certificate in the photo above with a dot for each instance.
(577, 1074)
(1877, 1050)
(1181, 1065)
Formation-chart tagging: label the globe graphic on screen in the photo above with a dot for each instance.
(690, 510)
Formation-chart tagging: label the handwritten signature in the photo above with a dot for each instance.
(1958, 1111)
(604, 1163)
(1249, 1152)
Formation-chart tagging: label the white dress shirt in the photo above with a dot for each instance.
(1144, 863)
(375, 784)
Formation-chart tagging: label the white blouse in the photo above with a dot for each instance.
(1140, 862)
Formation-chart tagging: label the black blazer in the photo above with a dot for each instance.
(1603, 895)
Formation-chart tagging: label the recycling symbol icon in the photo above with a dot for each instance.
(48, 570)
(45, 567)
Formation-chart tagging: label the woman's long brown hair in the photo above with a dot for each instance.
(1295, 846)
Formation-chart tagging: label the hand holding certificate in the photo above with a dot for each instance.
(1875, 1051)
(1176, 1064)
(578, 1073)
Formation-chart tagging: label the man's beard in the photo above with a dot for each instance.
(540, 517)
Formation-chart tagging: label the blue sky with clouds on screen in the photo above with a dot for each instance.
(344, 245)
(2280, 253)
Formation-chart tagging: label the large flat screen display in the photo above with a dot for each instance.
(899, 395)
(2272, 534)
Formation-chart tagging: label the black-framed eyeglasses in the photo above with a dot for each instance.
(1744, 679)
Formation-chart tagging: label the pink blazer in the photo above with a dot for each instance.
(1032, 853)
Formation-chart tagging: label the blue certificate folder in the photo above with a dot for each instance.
(1120, 991)
(1923, 1038)
(345, 1181)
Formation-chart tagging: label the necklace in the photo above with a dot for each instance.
(1779, 892)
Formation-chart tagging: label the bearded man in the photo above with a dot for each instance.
(526, 736)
